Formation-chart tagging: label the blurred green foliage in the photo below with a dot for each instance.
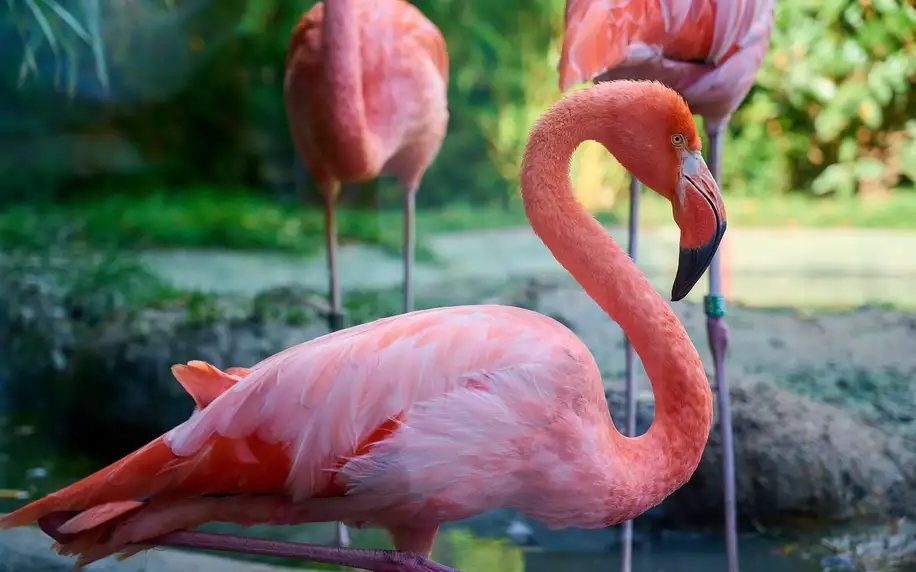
(832, 109)
(243, 221)
(50, 23)
(250, 221)
(831, 113)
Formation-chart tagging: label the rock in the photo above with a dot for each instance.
(89, 341)
(796, 459)
(880, 548)
(119, 383)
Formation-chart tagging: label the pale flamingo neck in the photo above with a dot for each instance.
(664, 458)
(344, 77)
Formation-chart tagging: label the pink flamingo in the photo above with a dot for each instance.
(709, 51)
(437, 415)
(365, 92)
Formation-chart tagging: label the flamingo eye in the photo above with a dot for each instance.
(678, 140)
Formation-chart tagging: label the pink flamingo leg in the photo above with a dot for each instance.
(626, 533)
(410, 202)
(717, 331)
(335, 316)
(364, 559)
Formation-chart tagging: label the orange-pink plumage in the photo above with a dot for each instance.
(707, 50)
(419, 419)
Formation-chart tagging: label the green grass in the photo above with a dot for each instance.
(236, 219)
(231, 219)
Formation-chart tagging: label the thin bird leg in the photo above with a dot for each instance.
(626, 533)
(717, 330)
(360, 558)
(364, 559)
(410, 201)
(335, 316)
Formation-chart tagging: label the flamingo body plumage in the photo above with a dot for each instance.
(423, 418)
(709, 51)
(393, 115)
(365, 95)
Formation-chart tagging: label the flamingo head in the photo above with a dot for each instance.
(665, 154)
(700, 214)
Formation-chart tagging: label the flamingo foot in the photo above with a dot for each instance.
(364, 559)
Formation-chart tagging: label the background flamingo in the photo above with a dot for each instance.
(365, 92)
(423, 418)
(709, 51)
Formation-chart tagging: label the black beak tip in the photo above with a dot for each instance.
(690, 268)
(692, 263)
(678, 294)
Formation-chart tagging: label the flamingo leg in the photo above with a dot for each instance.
(626, 533)
(335, 316)
(364, 559)
(717, 331)
(410, 202)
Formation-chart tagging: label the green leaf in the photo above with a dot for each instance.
(93, 18)
(868, 168)
(888, 7)
(848, 150)
(43, 23)
(828, 124)
(822, 88)
(854, 16)
(834, 179)
(28, 57)
(67, 17)
(870, 113)
(908, 152)
(73, 64)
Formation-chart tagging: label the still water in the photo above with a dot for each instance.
(463, 546)
(574, 550)
(683, 555)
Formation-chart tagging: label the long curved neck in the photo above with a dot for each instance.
(663, 459)
(344, 78)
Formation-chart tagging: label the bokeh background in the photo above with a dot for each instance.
(152, 211)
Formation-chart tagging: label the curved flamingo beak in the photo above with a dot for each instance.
(705, 213)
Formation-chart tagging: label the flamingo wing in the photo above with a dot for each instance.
(306, 36)
(204, 382)
(598, 33)
(738, 24)
(404, 75)
(603, 34)
(418, 30)
(393, 22)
